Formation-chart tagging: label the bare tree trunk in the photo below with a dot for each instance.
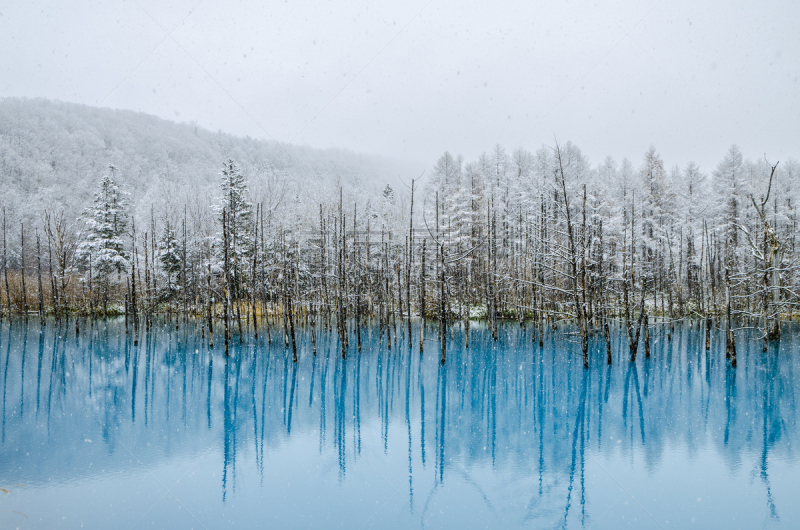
(91, 297)
(184, 270)
(357, 280)
(730, 342)
(409, 261)
(134, 259)
(5, 266)
(422, 308)
(633, 338)
(148, 291)
(226, 281)
(290, 313)
(210, 308)
(22, 270)
(254, 273)
(39, 273)
(53, 283)
(579, 308)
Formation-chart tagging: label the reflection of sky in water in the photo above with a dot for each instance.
(170, 434)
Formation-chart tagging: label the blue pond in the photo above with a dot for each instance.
(99, 433)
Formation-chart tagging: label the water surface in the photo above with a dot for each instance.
(99, 433)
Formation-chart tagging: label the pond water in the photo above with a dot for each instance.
(99, 433)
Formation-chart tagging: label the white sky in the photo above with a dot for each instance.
(413, 79)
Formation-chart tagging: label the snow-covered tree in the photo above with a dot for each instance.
(170, 259)
(653, 178)
(728, 190)
(106, 227)
(238, 219)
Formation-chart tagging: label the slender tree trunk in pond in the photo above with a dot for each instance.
(313, 331)
(226, 282)
(147, 286)
(210, 310)
(387, 296)
(91, 297)
(646, 324)
(39, 273)
(289, 312)
(442, 301)
(494, 272)
(284, 292)
(5, 266)
(238, 306)
(53, 282)
(22, 269)
(633, 339)
(133, 286)
(262, 286)
(580, 312)
(127, 304)
(357, 280)
(253, 274)
(730, 338)
(421, 299)
(409, 261)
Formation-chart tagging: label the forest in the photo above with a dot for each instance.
(273, 238)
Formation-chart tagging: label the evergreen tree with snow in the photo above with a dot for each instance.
(170, 260)
(239, 220)
(103, 252)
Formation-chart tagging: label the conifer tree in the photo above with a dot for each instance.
(170, 257)
(103, 249)
(239, 212)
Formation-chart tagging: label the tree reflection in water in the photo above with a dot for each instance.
(531, 415)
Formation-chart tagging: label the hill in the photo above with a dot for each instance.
(52, 154)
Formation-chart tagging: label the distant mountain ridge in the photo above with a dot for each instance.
(53, 153)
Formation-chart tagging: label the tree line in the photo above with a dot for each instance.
(542, 239)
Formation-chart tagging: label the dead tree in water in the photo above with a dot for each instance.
(254, 273)
(409, 255)
(226, 280)
(358, 283)
(210, 302)
(134, 260)
(39, 273)
(422, 298)
(290, 313)
(5, 266)
(442, 289)
(768, 254)
(340, 285)
(580, 310)
(730, 338)
(22, 268)
(633, 337)
(53, 284)
(147, 292)
(63, 242)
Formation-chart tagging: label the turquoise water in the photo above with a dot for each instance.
(99, 433)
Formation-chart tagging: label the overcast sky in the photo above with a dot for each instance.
(413, 79)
